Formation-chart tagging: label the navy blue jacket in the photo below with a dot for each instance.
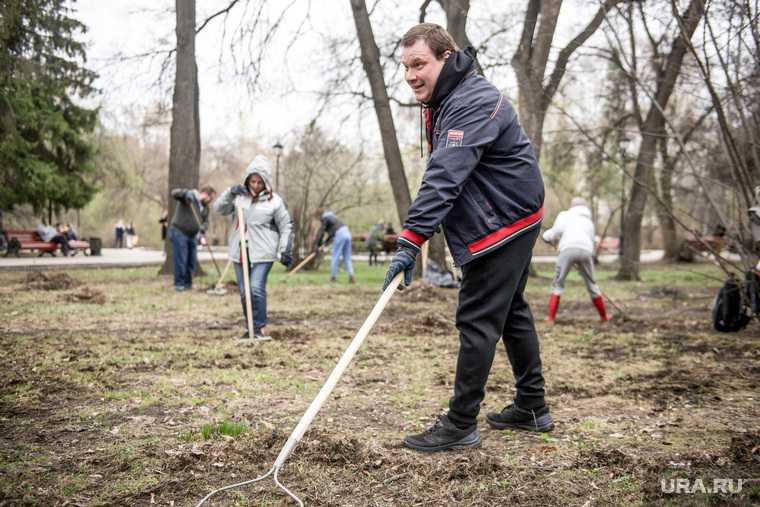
(330, 225)
(482, 180)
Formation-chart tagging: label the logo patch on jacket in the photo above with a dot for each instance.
(454, 138)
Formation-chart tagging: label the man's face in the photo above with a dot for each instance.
(422, 69)
(256, 184)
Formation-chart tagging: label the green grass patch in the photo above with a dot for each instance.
(226, 427)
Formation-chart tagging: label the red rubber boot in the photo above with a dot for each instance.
(552, 311)
(599, 303)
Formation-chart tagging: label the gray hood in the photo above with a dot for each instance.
(261, 166)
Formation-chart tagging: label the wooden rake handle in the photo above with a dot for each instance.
(332, 380)
(245, 266)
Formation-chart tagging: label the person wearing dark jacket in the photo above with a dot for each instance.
(336, 232)
(183, 230)
(482, 184)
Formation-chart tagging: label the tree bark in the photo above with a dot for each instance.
(665, 204)
(456, 24)
(531, 58)
(370, 56)
(185, 142)
(651, 129)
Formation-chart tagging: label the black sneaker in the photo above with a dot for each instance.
(444, 435)
(514, 417)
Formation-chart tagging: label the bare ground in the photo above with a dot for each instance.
(109, 375)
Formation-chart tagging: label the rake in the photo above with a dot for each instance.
(321, 397)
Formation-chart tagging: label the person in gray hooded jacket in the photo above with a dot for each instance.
(268, 235)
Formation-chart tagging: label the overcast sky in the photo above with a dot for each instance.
(292, 71)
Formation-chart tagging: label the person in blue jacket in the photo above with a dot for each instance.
(333, 230)
(482, 184)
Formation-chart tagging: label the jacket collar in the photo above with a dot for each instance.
(457, 67)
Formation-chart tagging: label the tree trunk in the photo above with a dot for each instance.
(652, 125)
(665, 206)
(185, 142)
(456, 24)
(531, 58)
(370, 56)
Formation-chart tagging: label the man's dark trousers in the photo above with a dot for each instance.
(491, 305)
(183, 256)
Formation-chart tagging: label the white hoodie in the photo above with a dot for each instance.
(573, 228)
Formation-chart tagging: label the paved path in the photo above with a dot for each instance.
(136, 257)
(110, 258)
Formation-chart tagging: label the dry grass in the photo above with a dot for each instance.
(103, 404)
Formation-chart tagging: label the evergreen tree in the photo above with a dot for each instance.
(46, 158)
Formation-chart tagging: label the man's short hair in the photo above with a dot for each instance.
(436, 37)
(209, 190)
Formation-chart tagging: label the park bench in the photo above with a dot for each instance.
(389, 241)
(29, 240)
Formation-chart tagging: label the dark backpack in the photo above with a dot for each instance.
(729, 312)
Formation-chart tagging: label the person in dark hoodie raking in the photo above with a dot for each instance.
(337, 233)
(483, 185)
(183, 230)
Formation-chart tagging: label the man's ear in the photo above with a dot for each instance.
(447, 54)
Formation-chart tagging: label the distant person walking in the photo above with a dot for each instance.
(164, 221)
(119, 234)
(184, 227)
(375, 241)
(268, 236)
(574, 231)
(131, 236)
(332, 229)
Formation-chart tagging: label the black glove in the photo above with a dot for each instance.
(239, 190)
(403, 260)
(286, 259)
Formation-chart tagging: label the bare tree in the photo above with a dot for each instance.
(456, 21)
(652, 126)
(370, 56)
(185, 141)
(323, 173)
(532, 56)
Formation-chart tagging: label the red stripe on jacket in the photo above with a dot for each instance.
(505, 232)
(412, 237)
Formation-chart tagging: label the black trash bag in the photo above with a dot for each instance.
(729, 313)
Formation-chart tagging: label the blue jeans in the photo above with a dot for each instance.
(258, 280)
(341, 248)
(183, 255)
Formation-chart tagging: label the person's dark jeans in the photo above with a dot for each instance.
(257, 277)
(61, 240)
(183, 256)
(492, 306)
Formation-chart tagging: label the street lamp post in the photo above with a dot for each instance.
(623, 144)
(277, 154)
